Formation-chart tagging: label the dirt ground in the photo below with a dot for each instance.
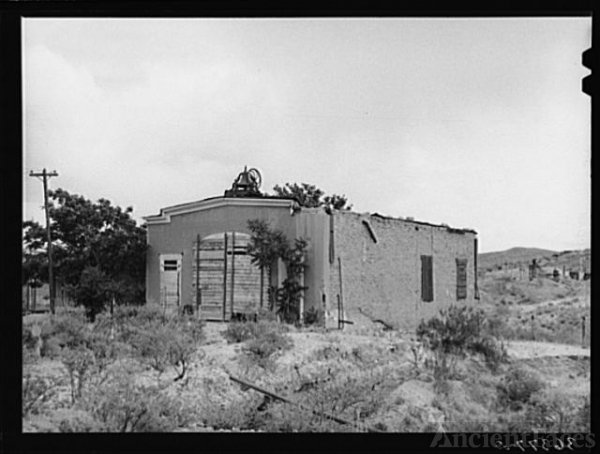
(385, 372)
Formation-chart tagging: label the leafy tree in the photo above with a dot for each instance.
(35, 260)
(98, 249)
(34, 268)
(268, 245)
(309, 196)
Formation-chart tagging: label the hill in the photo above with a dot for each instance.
(571, 260)
(513, 255)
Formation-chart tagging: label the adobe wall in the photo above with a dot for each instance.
(384, 278)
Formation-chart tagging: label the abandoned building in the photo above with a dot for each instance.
(359, 266)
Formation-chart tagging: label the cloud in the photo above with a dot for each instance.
(475, 123)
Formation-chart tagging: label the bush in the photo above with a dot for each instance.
(557, 411)
(517, 387)
(492, 350)
(458, 331)
(66, 329)
(37, 391)
(237, 332)
(165, 341)
(453, 330)
(75, 420)
(262, 348)
(121, 405)
(79, 363)
(314, 316)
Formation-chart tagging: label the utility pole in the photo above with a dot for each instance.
(45, 175)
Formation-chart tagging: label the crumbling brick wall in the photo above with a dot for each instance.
(381, 271)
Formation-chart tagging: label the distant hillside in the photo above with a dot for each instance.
(513, 255)
(545, 257)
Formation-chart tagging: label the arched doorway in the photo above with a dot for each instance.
(225, 279)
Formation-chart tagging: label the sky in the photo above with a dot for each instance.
(476, 123)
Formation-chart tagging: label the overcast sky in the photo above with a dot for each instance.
(477, 123)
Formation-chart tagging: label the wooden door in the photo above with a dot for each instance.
(170, 279)
(228, 281)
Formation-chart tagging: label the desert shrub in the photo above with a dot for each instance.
(36, 393)
(583, 417)
(68, 328)
(282, 417)
(416, 419)
(517, 387)
(27, 337)
(555, 410)
(314, 316)
(237, 332)
(124, 406)
(162, 342)
(491, 349)
(79, 363)
(140, 315)
(236, 414)
(453, 330)
(182, 346)
(261, 349)
(458, 331)
(267, 315)
(355, 396)
(444, 369)
(50, 347)
(31, 345)
(76, 420)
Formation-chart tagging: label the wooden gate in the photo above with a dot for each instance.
(225, 280)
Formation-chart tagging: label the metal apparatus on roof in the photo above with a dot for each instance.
(246, 184)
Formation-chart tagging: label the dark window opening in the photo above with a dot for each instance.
(461, 279)
(427, 278)
(170, 265)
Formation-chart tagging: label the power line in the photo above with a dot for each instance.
(45, 175)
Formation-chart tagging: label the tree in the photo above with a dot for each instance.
(99, 249)
(309, 196)
(266, 246)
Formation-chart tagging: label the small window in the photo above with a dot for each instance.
(461, 279)
(427, 278)
(170, 265)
